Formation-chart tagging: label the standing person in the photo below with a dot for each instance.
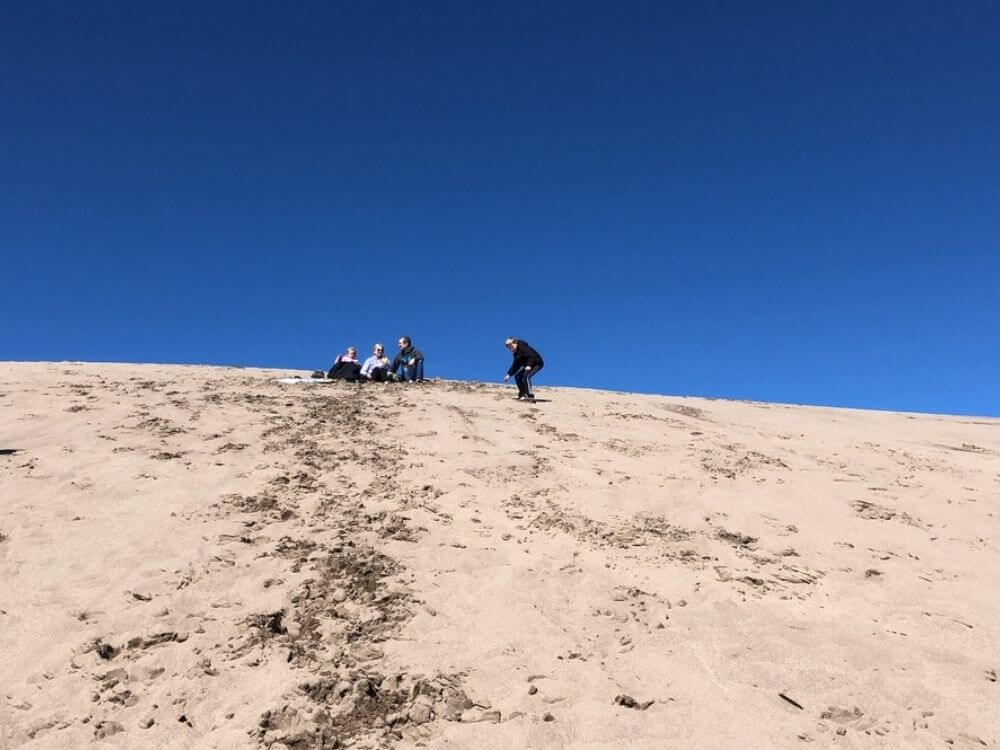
(410, 361)
(376, 367)
(527, 362)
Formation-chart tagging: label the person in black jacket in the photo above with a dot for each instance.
(409, 363)
(527, 362)
(346, 367)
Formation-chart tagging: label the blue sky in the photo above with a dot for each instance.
(783, 201)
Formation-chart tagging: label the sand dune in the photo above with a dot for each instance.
(199, 557)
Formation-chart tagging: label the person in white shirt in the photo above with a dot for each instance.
(376, 367)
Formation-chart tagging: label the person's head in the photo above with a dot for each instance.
(404, 341)
(352, 352)
(511, 343)
(378, 350)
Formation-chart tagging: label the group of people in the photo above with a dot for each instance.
(408, 365)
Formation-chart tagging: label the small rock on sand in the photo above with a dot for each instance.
(107, 729)
(420, 713)
(629, 702)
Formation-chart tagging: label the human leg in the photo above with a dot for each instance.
(521, 378)
(528, 375)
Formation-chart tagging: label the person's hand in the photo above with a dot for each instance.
(412, 362)
(506, 378)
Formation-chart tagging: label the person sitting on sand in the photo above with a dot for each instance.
(376, 367)
(527, 362)
(409, 363)
(345, 366)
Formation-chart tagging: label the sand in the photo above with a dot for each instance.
(200, 557)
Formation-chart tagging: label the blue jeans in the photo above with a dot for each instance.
(416, 372)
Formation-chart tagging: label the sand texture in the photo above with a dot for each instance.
(200, 557)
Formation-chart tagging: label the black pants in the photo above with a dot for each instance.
(523, 379)
(379, 374)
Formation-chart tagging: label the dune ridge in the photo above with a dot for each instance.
(203, 557)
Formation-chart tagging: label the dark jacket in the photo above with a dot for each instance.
(525, 356)
(405, 355)
(344, 369)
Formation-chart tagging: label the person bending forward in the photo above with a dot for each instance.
(527, 362)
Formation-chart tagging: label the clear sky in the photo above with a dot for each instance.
(783, 201)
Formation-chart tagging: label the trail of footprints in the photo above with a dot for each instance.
(344, 597)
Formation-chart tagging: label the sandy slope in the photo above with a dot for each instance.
(201, 557)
